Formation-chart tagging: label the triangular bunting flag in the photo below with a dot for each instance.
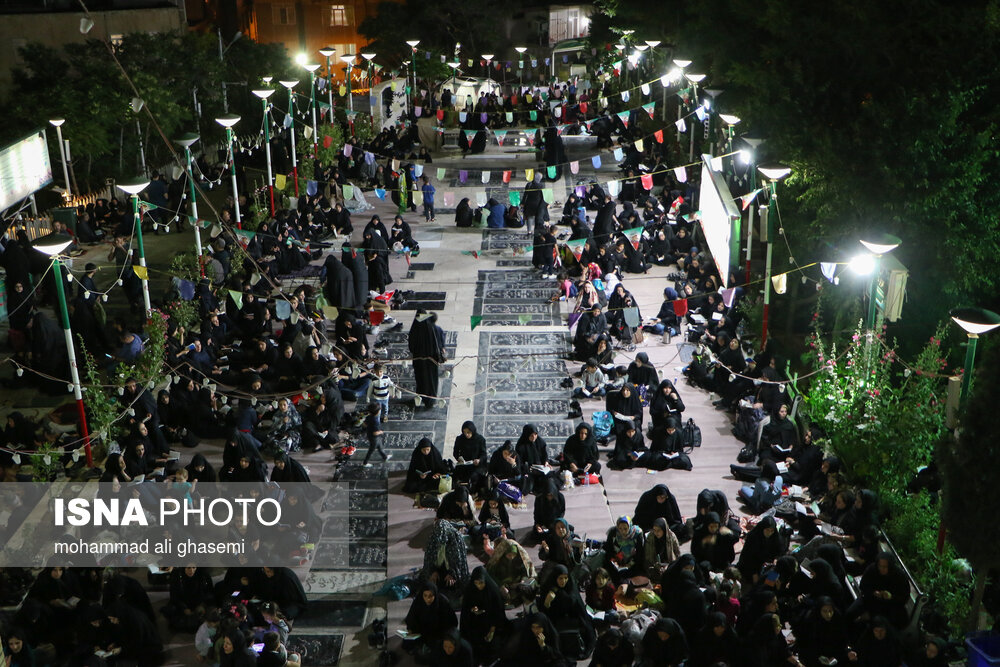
(237, 298)
(141, 271)
(701, 114)
(681, 125)
(380, 193)
(576, 247)
(681, 174)
(727, 297)
(639, 145)
(828, 269)
(658, 135)
(746, 199)
(623, 116)
(348, 191)
(574, 167)
(531, 138)
(475, 320)
(551, 171)
(500, 135)
(780, 283)
(523, 319)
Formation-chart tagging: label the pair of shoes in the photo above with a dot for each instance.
(369, 465)
(388, 456)
(567, 383)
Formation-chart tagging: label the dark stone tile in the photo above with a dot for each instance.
(421, 266)
(539, 406)
(332, 614)
(367, 527)
(320, 650)
(426, 305)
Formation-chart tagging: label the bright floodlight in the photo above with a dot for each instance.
(729, 119)
(134, 186)
(267, 79)
(348, 58)
(681, 63)
(862, 265)
(975, 320)
(301, 59)
(56, 122)
(641, 47)
(652, 43)
(368, 56)
(186, 139)
(454, 65)
(311, 67)
(228, 120)
(487, 56)
(695, 78)
(880, 244)
(327, 51)
(521, 49)
(54, 249)
(774, 172)
(263, 93)
(413, 42)
(620, 46)
(289, 84)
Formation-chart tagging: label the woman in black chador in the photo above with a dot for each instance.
(426, 343)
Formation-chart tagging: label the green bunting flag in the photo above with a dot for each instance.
(237, 298)
(440, 173)
(533, 115)
(475, 320)
(515, 197)
(348, 190)
(523, 319)
(551, 171)
(549, 195)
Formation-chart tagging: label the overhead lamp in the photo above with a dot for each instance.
(729, 119)
(774, 172)
(695, 78)
(186, 140)
(228, 120)
(487, 56)
(56, 122)
(301, 59)
(879, 243)
(521, 49)
(641, 47)
(311, 67)
(137, 104)
(752, 140)
(745, 155)
(975, 320)
(368, 56)
(620, 46)
(86, 25)
(863, 265)
(133, 186)
(327, 51)
(263, 93)
(267, 79)
(53, 249)
(628, 32)
(413, 43)
(288, 84)
(652, 43)
(348, 58)
(681, 63)
(454, 66)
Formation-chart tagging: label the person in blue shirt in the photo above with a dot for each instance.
(497, 213)
(428, 191)
(373, 429)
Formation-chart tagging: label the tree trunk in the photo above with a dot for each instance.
(982, 573)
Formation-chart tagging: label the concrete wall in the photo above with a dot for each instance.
(56, 29)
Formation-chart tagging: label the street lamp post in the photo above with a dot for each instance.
(53, 251)
(773, 174)
(709, 106)
(520, 65)
(263, 94)
(753, 143)
(694, 79)
(413, 67)
(681, 65)
(57, 123)
(187, 140)
(133, 187)
(291, 130)
(877, 244)
(974, 321)
(227, 121)
(369, 56)
(348, 59)
(311, 68)
(454, 76)
(328, 52)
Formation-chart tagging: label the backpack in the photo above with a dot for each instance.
(430, 501)
(747, 455)
(509, 492)
(602, 423)
(690, 436)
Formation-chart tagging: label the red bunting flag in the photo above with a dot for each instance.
(327, 141)
(680, 307)
(440, 114)
(506, 177)
(647, 181)
(659, 136)
(583, 107)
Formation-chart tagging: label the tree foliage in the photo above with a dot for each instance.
(82, 83)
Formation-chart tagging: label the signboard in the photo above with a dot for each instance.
(717, 214)
(24, 169)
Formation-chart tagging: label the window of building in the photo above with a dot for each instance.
(346, 48)
(341, 16)
(283, 14)
(117, 39)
